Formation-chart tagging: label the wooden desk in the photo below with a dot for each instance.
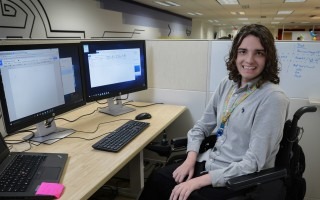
(88, 169)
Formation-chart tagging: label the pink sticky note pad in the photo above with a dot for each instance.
(52, 189)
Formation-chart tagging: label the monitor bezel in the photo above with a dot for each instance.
(138, 43)
(31, 119)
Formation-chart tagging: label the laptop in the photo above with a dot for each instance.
(50, 170)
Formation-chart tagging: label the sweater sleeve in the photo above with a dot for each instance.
(208, 122)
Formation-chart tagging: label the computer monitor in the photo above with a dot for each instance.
(114, 68)
(38, 82)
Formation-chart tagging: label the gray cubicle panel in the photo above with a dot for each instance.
(177, 74)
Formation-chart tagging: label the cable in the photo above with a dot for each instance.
(78, 117)
(101, 102)
(48, 123)
(152, 104)
(72, 137)
(13, 142)
(19, 141)
(79, 131)
(22, 131)
(102, 124)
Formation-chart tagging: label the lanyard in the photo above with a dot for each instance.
(226, 112)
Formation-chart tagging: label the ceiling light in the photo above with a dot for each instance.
(228, 2)
(162, 3)
(293, 1)
(167, 3)
(285, 12)
(195, 13)
(240, 13)
(278, 18)
(171, 3)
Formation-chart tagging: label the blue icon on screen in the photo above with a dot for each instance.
(137, 68)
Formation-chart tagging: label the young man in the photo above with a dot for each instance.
(247, 113)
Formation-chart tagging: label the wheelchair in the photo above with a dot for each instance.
(288, 170)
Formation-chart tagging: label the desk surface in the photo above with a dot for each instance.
(88, 169)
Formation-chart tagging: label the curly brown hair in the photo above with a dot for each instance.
(271, 70)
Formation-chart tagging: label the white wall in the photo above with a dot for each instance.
(87, 19)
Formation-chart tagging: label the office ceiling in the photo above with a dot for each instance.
(304, 14)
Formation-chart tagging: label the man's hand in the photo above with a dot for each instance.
(186, 169)
(183, 190)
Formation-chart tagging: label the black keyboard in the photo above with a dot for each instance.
(117, 139)
(18, 174)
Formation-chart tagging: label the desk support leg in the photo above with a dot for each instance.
(136, 173)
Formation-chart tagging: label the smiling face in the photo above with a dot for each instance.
(251, 59)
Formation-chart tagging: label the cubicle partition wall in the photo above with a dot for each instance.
(178, 73)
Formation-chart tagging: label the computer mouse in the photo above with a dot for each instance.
(142, 116)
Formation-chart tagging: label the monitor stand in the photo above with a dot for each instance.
(116, 109)
(48, 134)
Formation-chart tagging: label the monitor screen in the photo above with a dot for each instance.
(114, 68)
(38, 82)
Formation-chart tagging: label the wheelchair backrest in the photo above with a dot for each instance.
(289, 147)
(291, 156)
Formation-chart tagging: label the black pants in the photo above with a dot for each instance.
(160, 184)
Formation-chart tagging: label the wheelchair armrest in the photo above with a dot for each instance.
(207, 143)
(160, 149)
(179, 143)
(176, 144)
(255, 179)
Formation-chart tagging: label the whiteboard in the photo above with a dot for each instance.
(299, 63)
